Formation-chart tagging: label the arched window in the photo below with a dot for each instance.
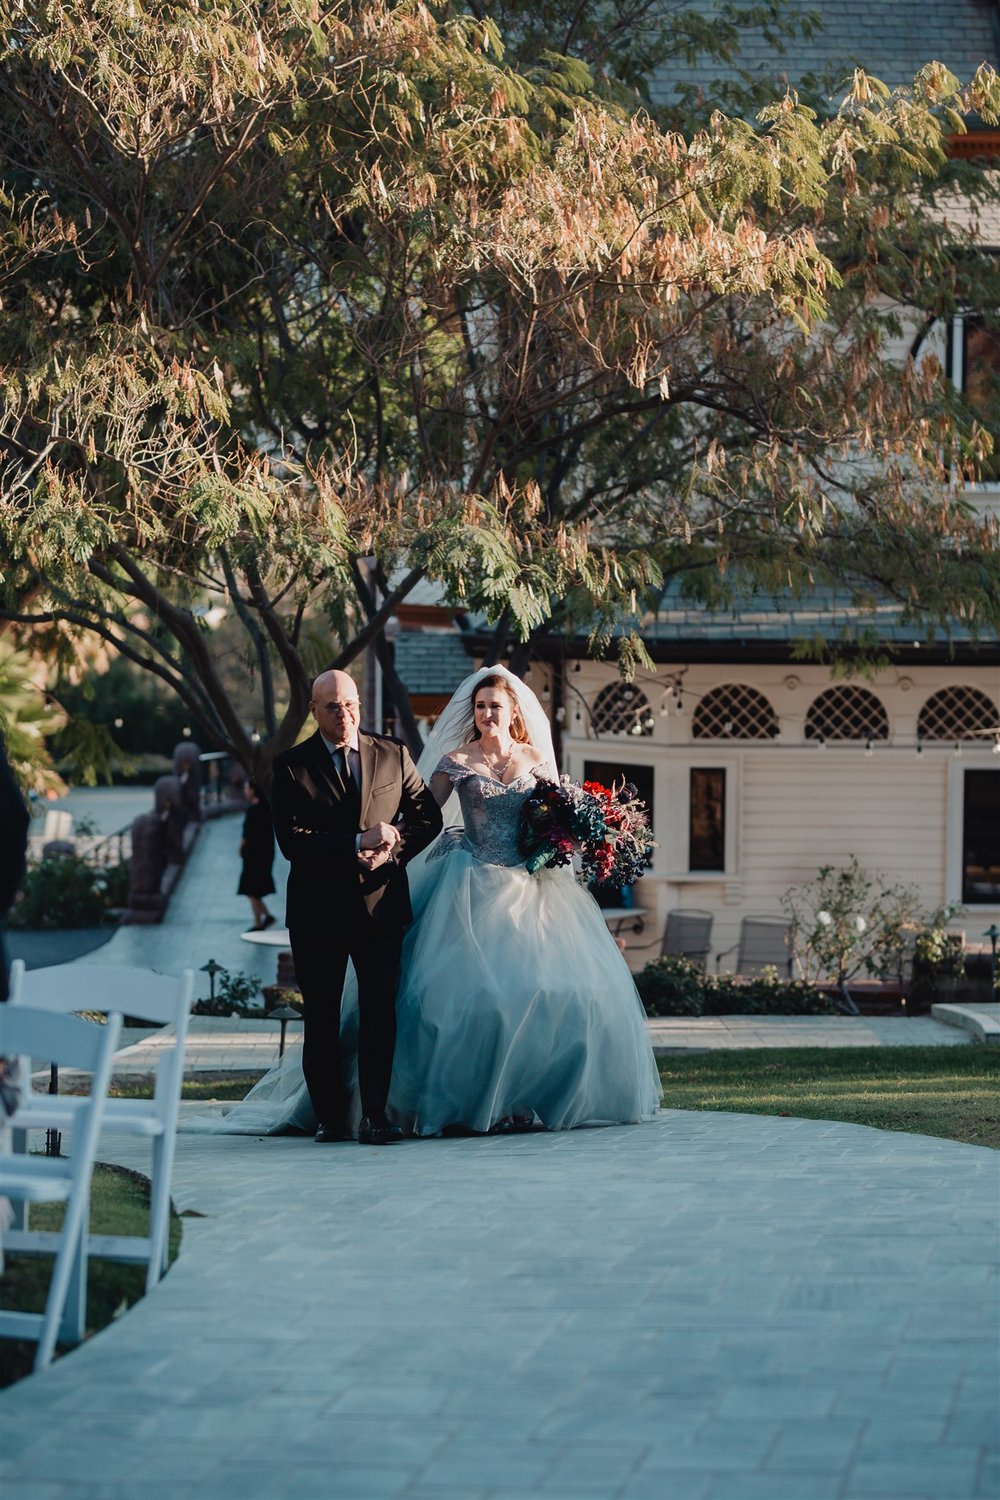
(957, 713)
(622, 708)
(847, 713)
(734, 712)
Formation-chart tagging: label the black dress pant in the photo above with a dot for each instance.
(320, 950)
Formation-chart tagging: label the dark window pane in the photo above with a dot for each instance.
(981, 838)
(707, 820)
(981, 384)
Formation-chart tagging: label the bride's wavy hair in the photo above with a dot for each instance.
(518, 730)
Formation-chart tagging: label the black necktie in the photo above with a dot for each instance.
(345, 770)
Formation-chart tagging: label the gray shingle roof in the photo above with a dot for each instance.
(432, 661)
(891, 39)
(824, 612)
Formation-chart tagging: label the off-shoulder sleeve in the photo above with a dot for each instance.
(448, 766)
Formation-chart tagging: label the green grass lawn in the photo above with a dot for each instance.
(225, 1086)
(946, 1091)
(119, 1205)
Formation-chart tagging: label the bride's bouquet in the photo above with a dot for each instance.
(607, 826)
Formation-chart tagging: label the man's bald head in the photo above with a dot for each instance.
(335, 706)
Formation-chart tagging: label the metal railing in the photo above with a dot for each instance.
(101, 851)
(216, 774)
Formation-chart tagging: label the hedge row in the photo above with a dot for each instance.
(678, 987)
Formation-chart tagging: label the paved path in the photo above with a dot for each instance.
(205, 917)
(709, 1307)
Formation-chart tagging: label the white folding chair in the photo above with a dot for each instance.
(45, 1179)
(151, 997)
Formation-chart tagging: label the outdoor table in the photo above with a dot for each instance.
(623, 916)
(270, 937)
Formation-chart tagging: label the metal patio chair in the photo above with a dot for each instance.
(686, 934)
(764, 942)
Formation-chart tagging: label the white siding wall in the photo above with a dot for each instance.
(793, 806)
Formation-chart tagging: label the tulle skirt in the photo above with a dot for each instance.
(513, 1000)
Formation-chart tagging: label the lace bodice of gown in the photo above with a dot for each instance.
(491, 811)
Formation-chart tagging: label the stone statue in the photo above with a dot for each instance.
(146, 901)
(168, 806)
(187, 769)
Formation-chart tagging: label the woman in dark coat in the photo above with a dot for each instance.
(257, 852)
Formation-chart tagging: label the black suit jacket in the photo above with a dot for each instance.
(317, 820)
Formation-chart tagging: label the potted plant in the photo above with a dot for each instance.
(938, 960)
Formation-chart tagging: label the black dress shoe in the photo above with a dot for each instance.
(327, 1133)
(379, 1133)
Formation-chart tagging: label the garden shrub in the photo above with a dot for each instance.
(279, 994)
(671, 986)
(677, 987)
(63, 890)
(235, 994)
(766, 994)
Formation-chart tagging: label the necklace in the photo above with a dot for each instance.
(499, 772)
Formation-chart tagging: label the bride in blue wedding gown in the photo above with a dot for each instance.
(515, 1007)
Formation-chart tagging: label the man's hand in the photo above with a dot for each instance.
(380, 836)
(376, 845)
(371, 859)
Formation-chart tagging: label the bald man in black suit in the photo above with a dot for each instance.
(350, 812)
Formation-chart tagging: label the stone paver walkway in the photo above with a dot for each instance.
(709, 1307)
(730, 1033)
(205, 917)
